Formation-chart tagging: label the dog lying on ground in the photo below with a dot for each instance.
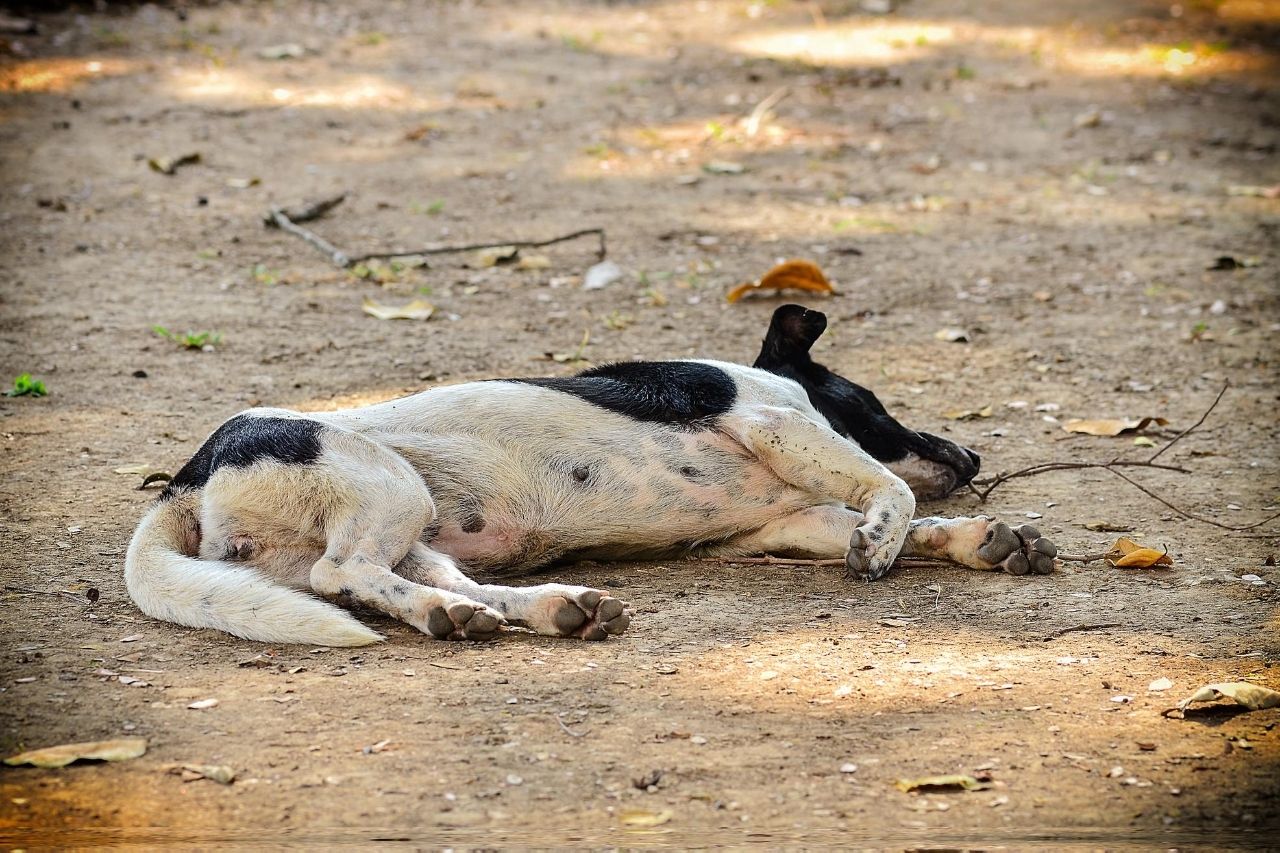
(385, 504)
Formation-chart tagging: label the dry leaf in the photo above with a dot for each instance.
(791, 275)
(533, 262)
(1107, 527)
(169, 165)
(1252, 696)
(94, 750)
(1111, 426)
(220, 773)
(643, 817)
(957, 782)
(494, 257)
(967, 414)
(952, 336)
(1127, 554)
(418, 309)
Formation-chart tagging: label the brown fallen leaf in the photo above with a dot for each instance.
(791, 275)
(169, 165)
(1107, 527)
(220, 773)
(958, 782)
(94, 750)
(418, 309)
(967, 414)
(1111, 426)
(1127, 554)
(1252, 696)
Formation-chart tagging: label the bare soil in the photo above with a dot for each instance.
(1053, 178)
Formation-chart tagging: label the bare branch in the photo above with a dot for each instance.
(1191, 428)
(1184, 513)
(287, 220)
(519, 244)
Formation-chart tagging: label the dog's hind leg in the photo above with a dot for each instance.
(978, 543)
(554, 609)
(379, 509)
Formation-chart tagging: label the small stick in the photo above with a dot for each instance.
(1192, 516)
(316, 210)
(1061, 631)
(1081, 558)
(279, 219)
(1189, 429)
(568, 730)
(53, 594)
(1033, 470)
(762, 109)
(519, 244)
(904, 562)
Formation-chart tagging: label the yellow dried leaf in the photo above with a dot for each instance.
(418, 309)
(1127, 554)
(967, 414)
(1111, 426)
(1252, 696)
(643, 817)
(94, 750)
(791, 275)
(533, 262)
(957, 782)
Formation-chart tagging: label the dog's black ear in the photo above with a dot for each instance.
(792, 331)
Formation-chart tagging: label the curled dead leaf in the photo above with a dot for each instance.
(1127, 554)
(1111, 426)
(94, 750)
(791, 275)
(958, 782)
(418, 309)
(1252, 696)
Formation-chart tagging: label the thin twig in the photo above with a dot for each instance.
(1056, 634)
(570, 732)
(901, 562)
(1189, 429)
(1082, 558)
(280, 220)
(288, 221)
(1043, 467)
(1116, 463)
(54, 594)
(1192, 516)
(761, 110)
(519, 244)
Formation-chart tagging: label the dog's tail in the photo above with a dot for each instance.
(167, 584)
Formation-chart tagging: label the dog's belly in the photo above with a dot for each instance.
(668, 492)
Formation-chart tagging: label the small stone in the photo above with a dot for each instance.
(513, 779)
(848, 767)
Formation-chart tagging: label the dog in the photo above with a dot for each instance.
(384, 505)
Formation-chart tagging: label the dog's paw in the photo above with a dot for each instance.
(1017, 550)
(463, 620)
(589, 615)
(872, 550)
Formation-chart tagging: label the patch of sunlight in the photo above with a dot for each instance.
(861, 43)
(60, 74)
(1153, 60)
(346, 92)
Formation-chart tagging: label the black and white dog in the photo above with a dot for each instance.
(383, 504)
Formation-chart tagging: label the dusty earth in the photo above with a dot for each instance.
(1054, 179)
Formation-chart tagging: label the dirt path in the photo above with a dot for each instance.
(1052, 178)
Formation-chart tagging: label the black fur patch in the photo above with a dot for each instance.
(852, 411)
(680, 393)
(244, 440)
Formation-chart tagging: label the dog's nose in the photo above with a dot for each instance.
(975, 458)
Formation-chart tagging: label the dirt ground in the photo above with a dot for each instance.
(1053, 178)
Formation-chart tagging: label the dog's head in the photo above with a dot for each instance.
(933, 467)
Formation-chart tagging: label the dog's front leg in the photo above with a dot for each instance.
(813, 457)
